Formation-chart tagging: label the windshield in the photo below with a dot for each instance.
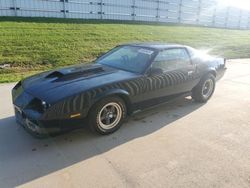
(129, 58)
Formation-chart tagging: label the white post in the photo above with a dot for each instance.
(101, 4)
(226, 19)
(214, 16)
(133, 10)
(248, 23)
(180, 9)
(157, 13)
(64, 9)
(15, 8)
(240, 17)
(199, 12)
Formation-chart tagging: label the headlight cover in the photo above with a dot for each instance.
(38, 105)
(45, 105)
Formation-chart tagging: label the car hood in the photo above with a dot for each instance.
(55, 85)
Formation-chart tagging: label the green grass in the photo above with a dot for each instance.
(33, 45)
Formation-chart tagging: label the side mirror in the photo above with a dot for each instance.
(155, 71)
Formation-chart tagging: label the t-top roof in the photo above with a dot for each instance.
(156, 46)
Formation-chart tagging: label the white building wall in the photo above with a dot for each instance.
(199, 12)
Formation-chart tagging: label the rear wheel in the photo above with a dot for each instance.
(107, 115)
(205, 89)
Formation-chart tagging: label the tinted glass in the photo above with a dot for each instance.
(129, 58)
(172, 59)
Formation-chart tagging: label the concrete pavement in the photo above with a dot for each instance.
(181, 144)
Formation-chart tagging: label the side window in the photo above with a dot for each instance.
(172, 59)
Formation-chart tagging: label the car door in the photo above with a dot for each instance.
(178, 74)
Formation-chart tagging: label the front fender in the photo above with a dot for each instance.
(123, 94)
(82, 103)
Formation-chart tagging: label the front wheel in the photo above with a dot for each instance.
(205, 89)
(107, 115)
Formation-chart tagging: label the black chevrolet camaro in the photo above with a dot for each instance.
(128, 78)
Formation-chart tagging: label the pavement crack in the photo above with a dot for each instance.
(237, 82)
(129, 181)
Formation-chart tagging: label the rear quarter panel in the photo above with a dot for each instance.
(214, 65)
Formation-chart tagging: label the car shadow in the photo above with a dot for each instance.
(24, 158)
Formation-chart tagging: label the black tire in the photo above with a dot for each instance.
(198, 92)
(101, 109)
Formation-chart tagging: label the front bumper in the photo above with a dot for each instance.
(30, 115)
(33, 126)
(44, 128)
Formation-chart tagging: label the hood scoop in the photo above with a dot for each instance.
(74, 73)
(55, 74)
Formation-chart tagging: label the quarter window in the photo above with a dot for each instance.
(172, 59)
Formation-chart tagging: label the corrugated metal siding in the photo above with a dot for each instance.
(200, 12)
